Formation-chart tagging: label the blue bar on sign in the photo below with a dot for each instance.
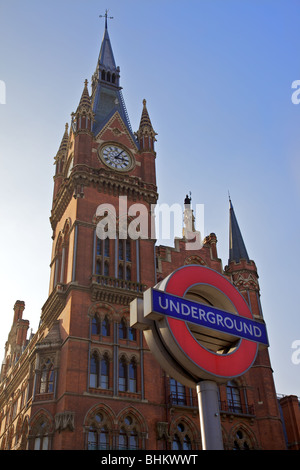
(209, 317)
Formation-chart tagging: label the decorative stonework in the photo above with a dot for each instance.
(64, 421)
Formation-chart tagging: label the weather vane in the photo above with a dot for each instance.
(106, 16)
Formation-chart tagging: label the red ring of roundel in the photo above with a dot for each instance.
(231, 365)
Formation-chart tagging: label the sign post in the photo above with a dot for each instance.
(202, 332)
(210, 424)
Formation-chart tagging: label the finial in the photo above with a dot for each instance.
(86, 82)
(66, 127)
(105, 16)
(144, 103)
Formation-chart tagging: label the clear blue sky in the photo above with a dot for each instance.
(217, 77)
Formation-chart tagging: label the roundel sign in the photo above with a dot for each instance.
(198, 326)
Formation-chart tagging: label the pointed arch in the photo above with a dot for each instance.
(99, 427)
(241, 437)
(184, 435)
(41, 430)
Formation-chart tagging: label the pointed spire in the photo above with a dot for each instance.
(107, 98)
(85, 100)
(84, 116)
(237, 248)
(106, 56)
(146, 134)
(64, 144)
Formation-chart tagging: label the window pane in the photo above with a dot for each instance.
(133, 441)
(45, 443)
(104, 374)
(37, 443)
(132, 377)
(105, 327)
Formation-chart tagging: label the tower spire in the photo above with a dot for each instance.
(146, 134)
(237, 248)
(106, 95)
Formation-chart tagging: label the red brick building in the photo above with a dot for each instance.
(86, 379)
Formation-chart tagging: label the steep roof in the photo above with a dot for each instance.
(237, 248)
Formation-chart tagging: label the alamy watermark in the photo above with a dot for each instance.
(2, 92)
(296, 94)
(161, 222)
(296, 353)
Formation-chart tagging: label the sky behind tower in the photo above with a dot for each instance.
(217, 76)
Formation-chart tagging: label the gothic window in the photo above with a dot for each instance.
(132, 334)
(233, 397)
(123, 329)
(241, 441)
(47, 378)
(95, 325)
(105, 327)
(103, 75)
(122, 375)
(102, 257)
(124, 268)
(129, 433)
(132, 376)
(104, 372)
(99, 432)
(99, 371)
(181, 439)
(94, 371)
(100, 326)
(41, 436)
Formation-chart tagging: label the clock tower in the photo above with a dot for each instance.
(104, 171)
(87, 380)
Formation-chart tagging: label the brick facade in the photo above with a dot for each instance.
(85, 379)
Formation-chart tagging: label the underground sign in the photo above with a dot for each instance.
(199, 326)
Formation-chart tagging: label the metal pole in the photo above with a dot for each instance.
(210, 424)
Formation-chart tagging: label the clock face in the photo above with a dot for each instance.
(116, 158)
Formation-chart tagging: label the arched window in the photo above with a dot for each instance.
(105, 326)
(129, 433)
(94, 370)
(41, 436)
(132, 334)
(123, 329)
(104, 373)
(181, 439)
(47, 378)
(132, 376)
(233, 397)
(98, 437)
(241, 441)
(103, 75)
(122, 375)
(95, 325)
